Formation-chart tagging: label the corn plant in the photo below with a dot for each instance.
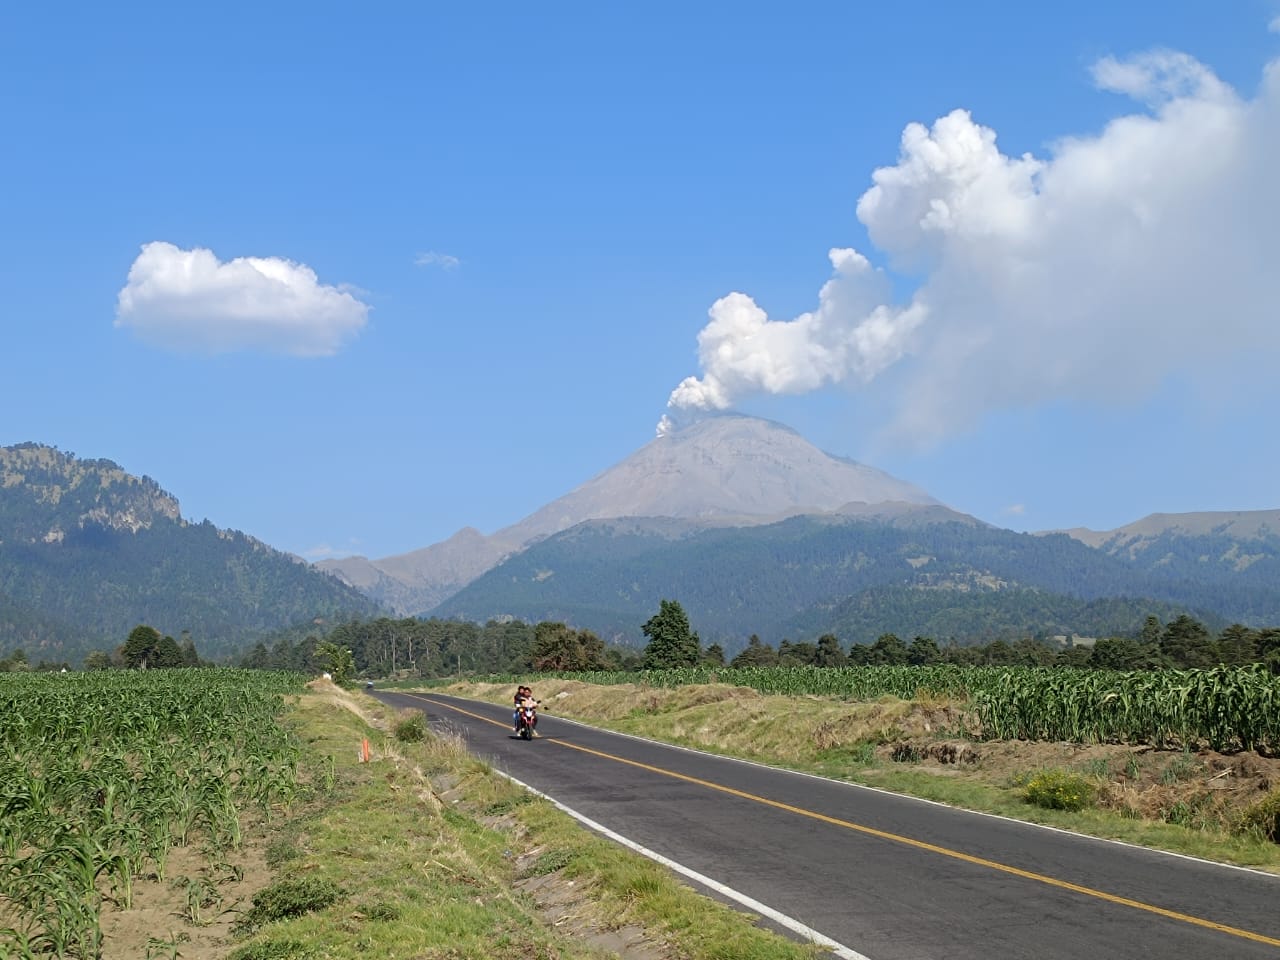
(101, 773)
(1226, 708)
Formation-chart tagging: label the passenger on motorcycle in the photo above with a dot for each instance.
(516, 700)
(524, 698)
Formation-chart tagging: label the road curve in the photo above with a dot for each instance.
(890, 877)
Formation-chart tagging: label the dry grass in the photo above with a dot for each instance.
(714, 717)
(367, 709)
(922, 747)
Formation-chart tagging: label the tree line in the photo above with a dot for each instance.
(1182, 643)
(435, 647)
(145, 648)
(413, 647)
(438, 648)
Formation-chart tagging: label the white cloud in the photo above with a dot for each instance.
(444, 261)
(189, 300)
(1016, 509)
(1274, 25)
(1159, 76)
(851, 334)
(1093, 273)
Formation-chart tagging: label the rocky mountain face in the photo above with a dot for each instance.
(88, 551)
(728, 470)
(50, 494)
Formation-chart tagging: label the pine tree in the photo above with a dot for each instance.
(672, 643)
(139, 648)
(829, 652)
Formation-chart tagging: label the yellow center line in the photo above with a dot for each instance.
(898, 838)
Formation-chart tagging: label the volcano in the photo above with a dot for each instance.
(725, 470)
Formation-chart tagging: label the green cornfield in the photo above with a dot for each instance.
(1224, 708)
(101, 774)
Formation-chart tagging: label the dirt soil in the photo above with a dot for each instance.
(190, 913)
(567, 908)
(161, 922)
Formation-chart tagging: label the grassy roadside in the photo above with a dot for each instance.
(1166, 800)
(423, 852)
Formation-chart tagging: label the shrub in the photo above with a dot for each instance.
(381, 910)
(1059, 790)
(906, 753)
(864, 751)
(549, 862)
(274, 950)
(1181, 767)
(1262, 817)
(412, 729)
(1193, 812)
(1099, 767)
(508, 803)
(281, 850)
(291, 897)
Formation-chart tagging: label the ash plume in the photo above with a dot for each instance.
(1119, 258)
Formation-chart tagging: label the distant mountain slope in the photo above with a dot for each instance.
(1228, 561)
(723, 468)
(757, 531)
(727, 470)
(88, 551)
(1138, 536)
(983, 614)
(807, 575)
(413, 582)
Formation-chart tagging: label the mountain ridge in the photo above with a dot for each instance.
(861, 575)
(1238, 524)
(88, 551)
(727, 469)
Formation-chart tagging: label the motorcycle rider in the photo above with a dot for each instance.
(524, 698)
(516, 701)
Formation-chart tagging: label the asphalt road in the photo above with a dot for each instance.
(888, 877)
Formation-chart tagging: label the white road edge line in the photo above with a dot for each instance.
(795, 926)
(1014, 821)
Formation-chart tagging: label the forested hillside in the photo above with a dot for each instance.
(87, 552)
(981, 615)
(1214, 570)
(810, 575)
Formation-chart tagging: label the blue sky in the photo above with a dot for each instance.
(484, 241)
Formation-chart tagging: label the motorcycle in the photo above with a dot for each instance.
(526, 720)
